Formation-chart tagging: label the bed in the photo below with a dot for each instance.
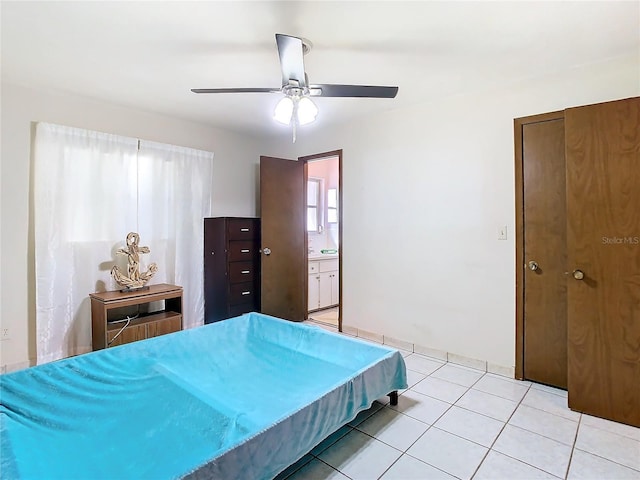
(239, 399)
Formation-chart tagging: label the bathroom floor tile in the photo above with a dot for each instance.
(609, 426)
(487, 404)
(422, 364)
(549, 402)
(331, 439)
(547, 388)
(448, 452)
(460, 375)
(546, 424)
(409, 468)
(470, 425)
(503, 387)
(591, 467)
(617, 448)
(317, 470)
(536, 450)
(440, 389)
(499, 466)
(420, 407)
(393, 428)
(414, 377)
(286, 473)
(358, 456)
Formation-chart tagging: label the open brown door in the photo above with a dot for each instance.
(284, 239)
(543, 263)
(603, 206)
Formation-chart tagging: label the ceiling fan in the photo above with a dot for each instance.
(296, 108)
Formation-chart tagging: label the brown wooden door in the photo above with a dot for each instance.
(284, 269)
(603, 205)
(544, 259)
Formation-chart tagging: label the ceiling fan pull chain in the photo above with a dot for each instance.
(294, 118)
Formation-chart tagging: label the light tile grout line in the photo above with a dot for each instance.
(611, 431)
(573, 447)
(498, 436)
(595, 454)
(332, 468)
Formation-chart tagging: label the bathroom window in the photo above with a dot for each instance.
(332, 205)
(314, 210)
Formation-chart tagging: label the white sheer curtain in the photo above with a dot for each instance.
(90, 190)
(174, 197)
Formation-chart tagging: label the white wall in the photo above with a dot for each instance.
(234, 188)
(425, 192)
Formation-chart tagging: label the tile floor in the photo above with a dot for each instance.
(328, 316)
(457, 422)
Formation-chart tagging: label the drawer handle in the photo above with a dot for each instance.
(244, 272)
(246, 250)
(246, 293)
(244, 229)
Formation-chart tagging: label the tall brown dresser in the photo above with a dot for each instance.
(231, 267)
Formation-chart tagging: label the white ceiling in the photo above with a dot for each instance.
(148, 55)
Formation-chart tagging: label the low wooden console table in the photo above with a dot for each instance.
(123, 317)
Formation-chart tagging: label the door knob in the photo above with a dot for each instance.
(533, 265)
(578, 274)
(266, 251)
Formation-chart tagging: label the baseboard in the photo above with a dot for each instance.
(399, 344)
(371, 336)
(451, 357)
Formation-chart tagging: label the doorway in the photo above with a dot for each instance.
(323, 242)
(284, 248)
(541, 249)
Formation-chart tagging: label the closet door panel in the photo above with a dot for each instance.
(603, 239)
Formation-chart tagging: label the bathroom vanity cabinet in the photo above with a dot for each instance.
(324, 282)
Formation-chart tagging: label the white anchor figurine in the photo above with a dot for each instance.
(134, 280)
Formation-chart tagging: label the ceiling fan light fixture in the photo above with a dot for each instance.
(284, 111)
(307, 111)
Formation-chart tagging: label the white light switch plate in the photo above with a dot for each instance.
(502, 233)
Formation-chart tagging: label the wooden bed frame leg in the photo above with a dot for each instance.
(394, 397)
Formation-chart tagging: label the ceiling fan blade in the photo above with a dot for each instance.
(291, 60)
(368, 91)
(236, 90)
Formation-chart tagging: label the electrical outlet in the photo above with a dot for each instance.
(4, 333)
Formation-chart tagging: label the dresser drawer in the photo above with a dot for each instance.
(237, 310)
(243, 250)
(313, 267)
(241, 293)
(241, 272)
(242, 229)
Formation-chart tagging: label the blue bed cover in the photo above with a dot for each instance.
(238, 399)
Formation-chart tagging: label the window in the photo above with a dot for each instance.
(90, 190)
(332, 205)
(314, 210)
